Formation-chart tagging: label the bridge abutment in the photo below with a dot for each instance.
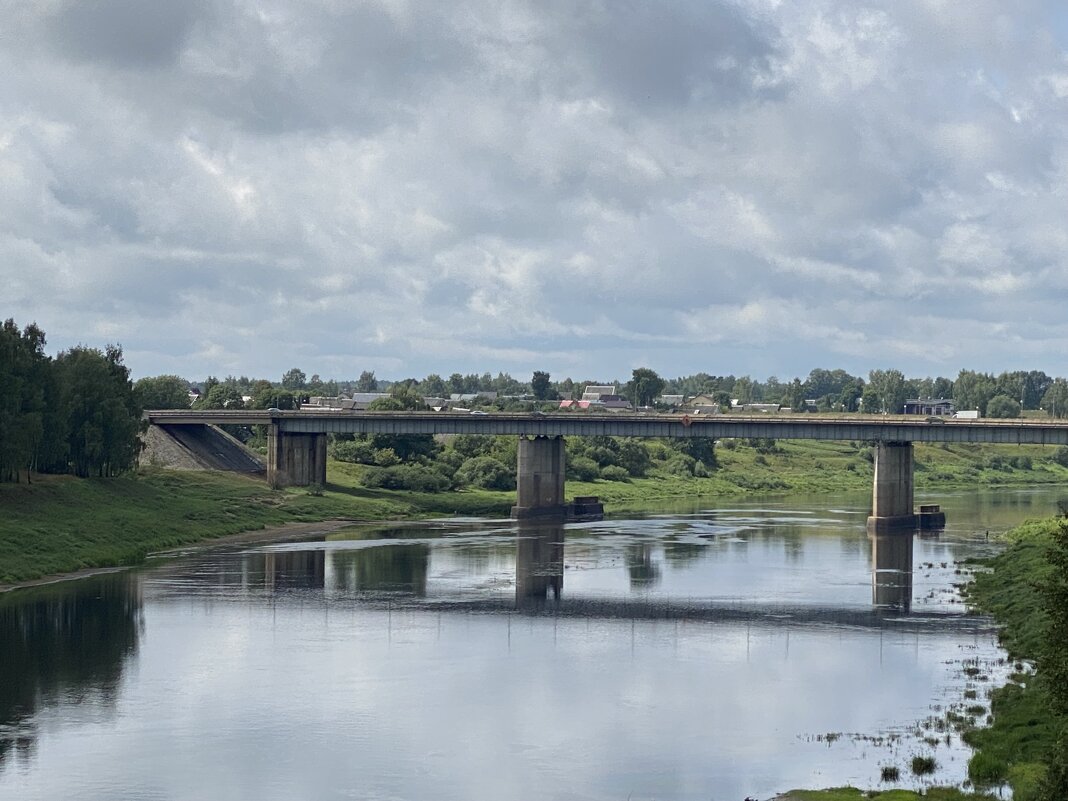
(540, 464)
(891, 507)
(295, 460)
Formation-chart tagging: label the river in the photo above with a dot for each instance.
(708, 651)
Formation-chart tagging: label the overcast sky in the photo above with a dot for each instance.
(753, 186)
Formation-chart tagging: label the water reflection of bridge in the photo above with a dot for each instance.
(395, 574)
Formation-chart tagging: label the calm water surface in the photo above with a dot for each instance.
(702, 653)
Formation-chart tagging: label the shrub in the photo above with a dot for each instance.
(890, 773)
(471, 445)
(487, 473)
(680, 465)
(1022, 462)
(582, 468)
(359, 451)
(729, 444)
(406, 477)
(602, 455)
(985, 769)
(634, 457)
(1060, 456)
(614, 473)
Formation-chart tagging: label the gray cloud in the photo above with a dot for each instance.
(741, 186)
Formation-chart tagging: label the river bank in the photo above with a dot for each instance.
(59, 524)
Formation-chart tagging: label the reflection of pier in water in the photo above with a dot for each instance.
(891, 570)
(539, 564)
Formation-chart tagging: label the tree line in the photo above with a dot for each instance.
(1006, 394)
(76, 413)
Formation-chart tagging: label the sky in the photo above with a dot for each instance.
(747, 186)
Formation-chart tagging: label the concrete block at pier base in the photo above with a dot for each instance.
(556, 512)
(884, 525)
(931, 519)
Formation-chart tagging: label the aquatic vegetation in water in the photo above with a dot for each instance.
(923, 765)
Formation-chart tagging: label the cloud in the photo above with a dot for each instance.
(744, 186)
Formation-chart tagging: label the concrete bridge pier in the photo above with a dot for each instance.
(891, 507)
(295, 460)
(540, 478)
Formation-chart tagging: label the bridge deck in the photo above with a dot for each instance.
(852, 427)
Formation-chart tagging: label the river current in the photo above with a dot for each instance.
(708, 652)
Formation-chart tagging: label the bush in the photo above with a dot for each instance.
(406, 477)
(1022, 462)
(582, 468)
(614, 473)
(471, 445)
(487, 473)
(634, 457)
(1002, 406)
(358, 451)
(1060, 456)
(729, 444)
(680, 465)
(986, 770)
(890, 773)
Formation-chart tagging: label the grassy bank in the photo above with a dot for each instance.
(61, 524)
(1024, 735)
(853, 794)
(823, 467)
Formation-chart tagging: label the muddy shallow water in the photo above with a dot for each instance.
(692, 653)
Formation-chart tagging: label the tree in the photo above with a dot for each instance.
(103, 418)
(268, 397)
(795, 394)
(408, 447)
(644, 386)
(942, 388)
(850, 396)
(434, 386)
(869, 401)
(367, 382)
(163, 392)
(973, 390)
(294, 379)
(539, 383)
(889, 386)
(1055, 401)
(222, 397)
(743, 389)
(23, 372)
(1002, 406)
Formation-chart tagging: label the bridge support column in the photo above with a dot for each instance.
(540, 478)
(891, 506)
(295, 460)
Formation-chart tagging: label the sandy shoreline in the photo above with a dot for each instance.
(256, 535)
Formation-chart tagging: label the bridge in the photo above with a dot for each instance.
(296, 453)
